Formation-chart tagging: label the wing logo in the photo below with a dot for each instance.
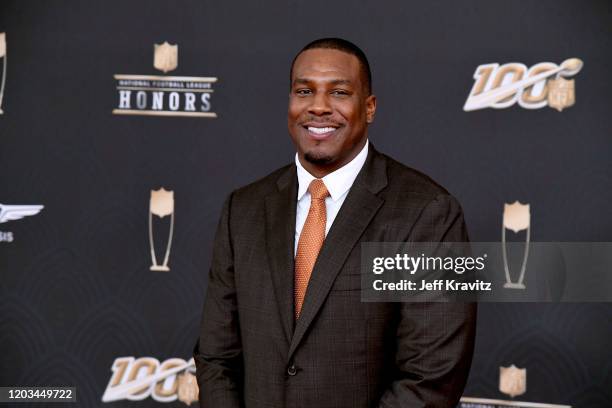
(501, 86)
(17, 212)
(13, 213)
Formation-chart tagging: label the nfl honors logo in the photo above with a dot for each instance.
(512, 382)
(161, 95)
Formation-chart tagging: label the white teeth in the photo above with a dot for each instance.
(320, 131)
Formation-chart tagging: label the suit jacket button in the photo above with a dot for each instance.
(292, 370)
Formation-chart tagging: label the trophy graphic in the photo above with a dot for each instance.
(161, 204)
(3, 56)
(516, 218)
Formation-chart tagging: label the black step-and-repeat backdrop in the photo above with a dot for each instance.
(124, 125)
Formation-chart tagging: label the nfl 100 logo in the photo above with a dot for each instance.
(136, 379)
(544, 84)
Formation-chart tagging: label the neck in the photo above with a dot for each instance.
(322, 170)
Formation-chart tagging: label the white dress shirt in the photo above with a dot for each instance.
(338, 184)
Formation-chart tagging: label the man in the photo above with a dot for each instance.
(283, 324)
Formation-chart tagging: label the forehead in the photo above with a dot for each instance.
(322, 63)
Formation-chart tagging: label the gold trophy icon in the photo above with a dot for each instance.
(161, 204)
(517, 217)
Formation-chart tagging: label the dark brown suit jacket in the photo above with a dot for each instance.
(341, 352)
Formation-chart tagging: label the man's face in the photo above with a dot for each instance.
(329, 109)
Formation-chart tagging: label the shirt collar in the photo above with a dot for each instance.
(337, 182)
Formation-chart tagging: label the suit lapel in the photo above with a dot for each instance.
(358, 209)
(280, 239)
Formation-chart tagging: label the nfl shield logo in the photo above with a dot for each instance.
(512, 380)
(165, 57)
(561, 93)
(516, 216)
(187, 388)
(161, 202)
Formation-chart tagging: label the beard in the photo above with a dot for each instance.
(318, 159)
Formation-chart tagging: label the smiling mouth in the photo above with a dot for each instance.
(320, 132)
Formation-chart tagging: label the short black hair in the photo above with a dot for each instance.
(344, 46)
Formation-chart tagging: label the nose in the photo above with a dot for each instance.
(320, 105)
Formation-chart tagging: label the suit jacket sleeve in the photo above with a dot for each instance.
(218, 352)
(435, 341)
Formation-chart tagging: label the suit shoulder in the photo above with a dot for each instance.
(261, 187)
(409, 180)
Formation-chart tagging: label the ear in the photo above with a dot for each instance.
(370, 108)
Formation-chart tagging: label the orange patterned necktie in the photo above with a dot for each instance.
(310, 242)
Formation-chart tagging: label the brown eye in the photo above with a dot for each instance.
(303, 92)
(339, 92)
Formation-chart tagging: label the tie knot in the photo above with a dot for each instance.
(317, 189)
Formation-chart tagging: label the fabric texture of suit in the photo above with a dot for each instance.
(341, 352)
